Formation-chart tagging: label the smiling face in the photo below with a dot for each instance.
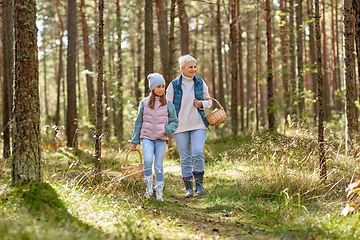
(159, 90)
(189, 70)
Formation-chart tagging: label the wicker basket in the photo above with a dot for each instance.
(217, 116)
(133, 171)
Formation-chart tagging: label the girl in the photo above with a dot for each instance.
(156, 120)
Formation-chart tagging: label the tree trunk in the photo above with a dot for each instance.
(356, 4)
(300, 63)
(88, 66)
(138, 54)
(8, 65)
(233, 68)
(321, 140)
(163, 40)
(241, 74)
(220, 86)
(257, 66)
(350, 94)
(120, 104)
(334, 63)
(284, 60)
(270, 97)
(27, 164)
(71, 123)
(149, 43)
(312, 56)
(99, 92)
(294, 117)
(249, 81)
(172, 47)
(326, 94)
(184, 28)
(60, 73)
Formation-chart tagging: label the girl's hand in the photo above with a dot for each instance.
(133, 147)
(197, 103)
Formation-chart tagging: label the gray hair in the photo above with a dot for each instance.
(183, 60)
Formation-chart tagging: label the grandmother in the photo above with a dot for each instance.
(189, 94)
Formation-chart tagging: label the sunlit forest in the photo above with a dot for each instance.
(282, 165)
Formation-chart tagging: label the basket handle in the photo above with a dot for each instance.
(127, 155)
(216, 102)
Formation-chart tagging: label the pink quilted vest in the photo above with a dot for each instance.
(154, 121)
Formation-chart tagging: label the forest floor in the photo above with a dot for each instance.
(259, 187)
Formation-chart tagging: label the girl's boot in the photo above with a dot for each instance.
(199, 179)
(188, 181)
(149, 186)
(159, 186)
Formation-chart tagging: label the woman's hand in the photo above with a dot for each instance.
(197, 103)
(133, 147)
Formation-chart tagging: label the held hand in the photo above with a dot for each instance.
(133, 147)
(197, 103)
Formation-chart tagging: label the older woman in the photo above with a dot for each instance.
(189, 94)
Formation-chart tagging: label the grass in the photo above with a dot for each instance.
(259, 187)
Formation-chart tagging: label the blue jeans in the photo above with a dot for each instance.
(191, 159)
(151, 149)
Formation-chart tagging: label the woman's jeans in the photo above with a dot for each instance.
(151, 149)
(191, 157)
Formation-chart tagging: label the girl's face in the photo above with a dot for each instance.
(189, 70)
(159, 90)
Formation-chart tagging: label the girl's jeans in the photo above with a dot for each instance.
(194, 157)
(151, 149)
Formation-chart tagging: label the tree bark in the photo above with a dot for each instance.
(356, 4)
(71, 123)
(249, 81)
(8, 77)
(99, 91)
(326, 90)
(284, 60)
(172, 47)
(220, 86)
(184, 28)
(321, 140)
(241, 71)
(300, 63)
(334, 61)
(163, 40)
(149, 43)
(88, 66)
(60, 73)
(349, 59)
(257, 66)
(294, 117)
(233, 68)
(27, 164)
(138, 54)
(312, 54)
(270, 97)
(120, 104)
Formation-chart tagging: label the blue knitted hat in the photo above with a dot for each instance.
(155, 79)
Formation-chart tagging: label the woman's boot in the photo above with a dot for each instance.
(199, 179)
(149, 186)
(159, 186)
(188, 181)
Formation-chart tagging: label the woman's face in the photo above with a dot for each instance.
(189, 70)
(159, 90)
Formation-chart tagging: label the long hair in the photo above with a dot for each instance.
(151, 101)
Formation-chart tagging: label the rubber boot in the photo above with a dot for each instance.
(159, 186)
(188, 181)
(199, 179)
(149, 186)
